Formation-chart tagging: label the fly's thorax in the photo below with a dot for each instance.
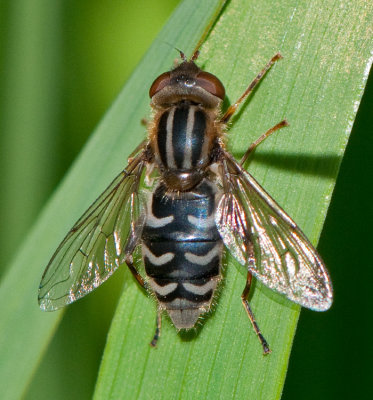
(183, 138)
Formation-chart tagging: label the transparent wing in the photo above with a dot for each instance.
(263, 237)
(96, 244)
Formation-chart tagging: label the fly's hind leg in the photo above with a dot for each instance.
(140, 280)
(245, 302)
(131, 246)
(157, 333)
(134, 272)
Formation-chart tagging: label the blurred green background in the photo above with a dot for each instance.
(62, 64)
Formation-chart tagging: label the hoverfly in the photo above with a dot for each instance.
(201, 200)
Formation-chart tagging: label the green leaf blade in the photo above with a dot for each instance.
(317, 91)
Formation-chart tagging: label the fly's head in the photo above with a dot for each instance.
(187, 82)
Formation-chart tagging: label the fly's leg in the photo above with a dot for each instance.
(140, 280)
(137, 150)
(261, 139)
(132, 243)
(245, 302)
(157, 333)
(129, 261)
(232, 109)
(224, 173)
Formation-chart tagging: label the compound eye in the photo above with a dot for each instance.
(211, 84)
(162, 81)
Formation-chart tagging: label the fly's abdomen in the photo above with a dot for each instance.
(182, 251)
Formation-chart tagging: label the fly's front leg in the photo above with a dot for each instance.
(137, 150)
(233, 108)
(245, 302)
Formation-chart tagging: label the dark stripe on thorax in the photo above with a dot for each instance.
(162, 137)
(198, 137)
(179, 132)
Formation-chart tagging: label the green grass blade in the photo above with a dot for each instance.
(317, 87)
(29, 110)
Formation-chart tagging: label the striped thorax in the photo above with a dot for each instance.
(184, 132)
